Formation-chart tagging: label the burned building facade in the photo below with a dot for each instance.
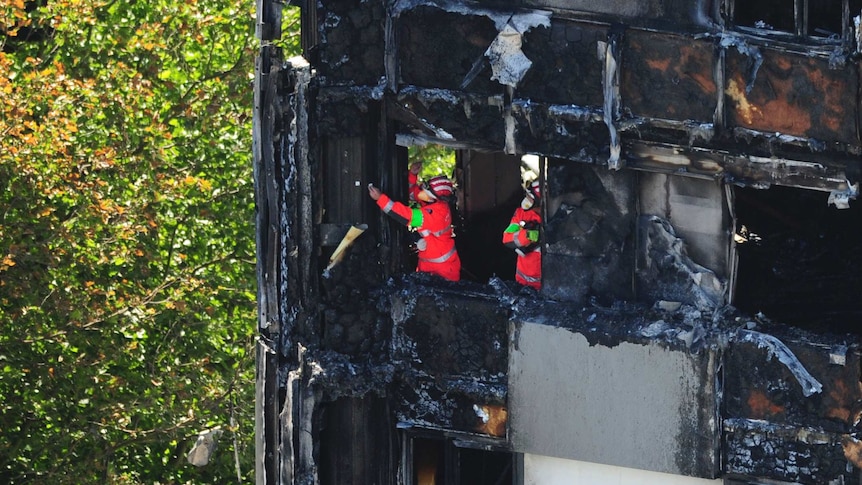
(698, 317)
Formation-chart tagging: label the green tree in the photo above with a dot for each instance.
(127, 277)
(436, 159)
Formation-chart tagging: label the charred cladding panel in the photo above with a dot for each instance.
(565, 132)
(450, 115)
(792, 94)
(682, 14)
(438, 49)
(565, 69)
(668, 77)
(589, 232)
(451, 335)
(451, 347)
(345, 112)
(792, 407)
(351, 48)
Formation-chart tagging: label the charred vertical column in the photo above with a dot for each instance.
(266, 198)
(287, 318)
(611, 85)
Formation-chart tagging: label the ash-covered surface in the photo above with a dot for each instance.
(759, 449)
(565, 68)
(449, 116)
(351, 47)
(339, 109)
(447, 332)
(589, 233)
(355, 319)
(340, 375)
(450, 347)
(439, 49)
(681, 327)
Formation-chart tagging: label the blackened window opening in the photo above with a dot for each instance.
(825, 19)
(800, 260)
(429, 462)
(809, 18)
(478, 467)
(490, 189)
(766, 14)
(440, 462)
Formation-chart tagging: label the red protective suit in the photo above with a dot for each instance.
(529, 267)
(433, 221)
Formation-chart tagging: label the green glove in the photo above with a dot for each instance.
(533, 235)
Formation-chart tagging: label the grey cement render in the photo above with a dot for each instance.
(632, 405)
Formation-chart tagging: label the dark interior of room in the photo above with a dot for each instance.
(799, 259)
(491, 189)
(437, 461)
(824, 19)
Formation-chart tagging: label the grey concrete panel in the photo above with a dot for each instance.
(644, 406)
(696, 209)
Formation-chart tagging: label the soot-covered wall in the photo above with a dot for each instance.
(676, 101)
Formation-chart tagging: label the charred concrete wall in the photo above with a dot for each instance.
(590, 234)
(637, 402)
(647, 115)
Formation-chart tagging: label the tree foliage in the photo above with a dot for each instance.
(436, 160)
(127, 286)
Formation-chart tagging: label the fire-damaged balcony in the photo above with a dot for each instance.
(698, 316)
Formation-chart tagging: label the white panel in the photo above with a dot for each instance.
(645, 406)
(544, 470)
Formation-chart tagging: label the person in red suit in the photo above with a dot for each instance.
(523, 235)
(432, 220)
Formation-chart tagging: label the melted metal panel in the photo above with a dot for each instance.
(565, 67)
(791, 94)
(792, 407)
(450, 116)
(668, 77)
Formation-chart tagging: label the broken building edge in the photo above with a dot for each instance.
(698, 315)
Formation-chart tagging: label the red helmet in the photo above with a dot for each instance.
(441, 186)
(535, 189)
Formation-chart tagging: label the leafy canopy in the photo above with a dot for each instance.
(127, 277)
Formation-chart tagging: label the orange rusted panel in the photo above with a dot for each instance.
(493, 420)
(761, 406)
(852, 450)
(791, 94)
(842, 399)
(668, 77)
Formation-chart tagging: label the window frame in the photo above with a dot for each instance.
(801, 23)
